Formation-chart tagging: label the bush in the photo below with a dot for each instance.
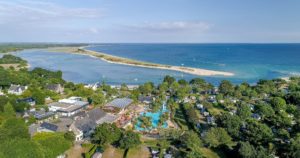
(90, 153)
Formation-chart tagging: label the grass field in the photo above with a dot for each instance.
(111, 151)
(140, 152)
(77, 150)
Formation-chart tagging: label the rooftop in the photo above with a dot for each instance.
(30, 99)
(93, 118)
(49, 126)
(96, 114)
(53, 87)
(109, 118)
(69, 107)
(63, 124)
(60, 104)
(145, 99)
(16, 87)
(120, 103)
(85, 124)
(74, 107)
(43, 114)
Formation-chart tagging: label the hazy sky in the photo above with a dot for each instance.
(150, 21)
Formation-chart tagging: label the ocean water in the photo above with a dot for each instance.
(249, 62)
(85, 69)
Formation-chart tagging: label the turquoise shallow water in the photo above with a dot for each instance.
(249, 62)
(85, 69)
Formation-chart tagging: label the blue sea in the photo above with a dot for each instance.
(249, 62)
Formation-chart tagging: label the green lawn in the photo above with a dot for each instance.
(77, 150)
(140, 152)
(111, 151)
(151, 143)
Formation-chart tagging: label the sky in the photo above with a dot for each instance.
(150, 21)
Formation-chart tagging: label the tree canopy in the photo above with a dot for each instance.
(216, 137)
(129, 139)
(106, 134)
(53, 144)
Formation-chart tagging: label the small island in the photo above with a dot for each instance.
(131, 62)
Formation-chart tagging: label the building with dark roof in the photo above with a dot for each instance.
(63, 124)
(42, 115)
(47, 127)
(55, 88)
(120, 103)
(86, 126)
(146, 99)
(93, 118)
(96, 114)
(210, 120)
(256, 116)
(29, 100)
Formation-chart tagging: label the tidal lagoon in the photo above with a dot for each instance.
(249, 62)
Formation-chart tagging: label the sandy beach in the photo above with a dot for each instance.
(130, 62)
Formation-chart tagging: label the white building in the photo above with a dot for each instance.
(68, 107)
(94, 86)
(16, 89)
(78, 133)
(130, 87)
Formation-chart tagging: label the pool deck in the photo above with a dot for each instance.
(154, 118)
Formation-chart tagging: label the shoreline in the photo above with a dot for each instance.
(130, 62)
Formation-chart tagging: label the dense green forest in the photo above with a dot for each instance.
(251, 121)
(15, 140)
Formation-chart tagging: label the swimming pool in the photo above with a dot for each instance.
(154, 118)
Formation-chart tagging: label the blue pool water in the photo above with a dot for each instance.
(154, 118)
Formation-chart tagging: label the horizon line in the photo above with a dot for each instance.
(149, 43)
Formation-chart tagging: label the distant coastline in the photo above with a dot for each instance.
(131, 62)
